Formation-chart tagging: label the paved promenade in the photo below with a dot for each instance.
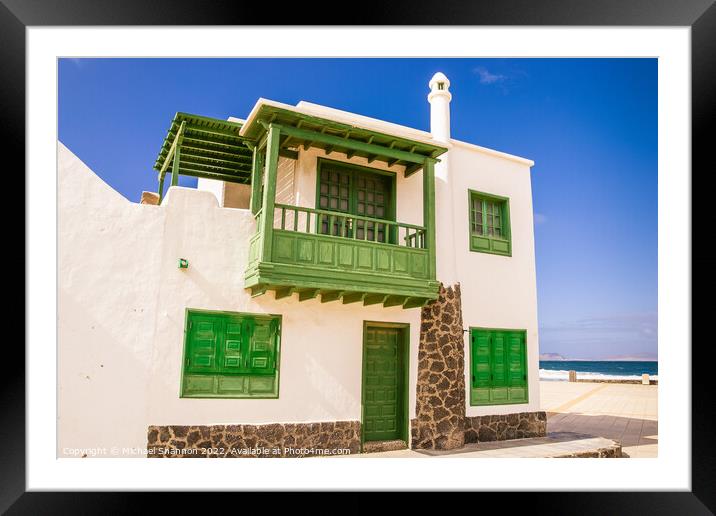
(625, 412)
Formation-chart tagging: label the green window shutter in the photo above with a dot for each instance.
(204, 335)
(231, 355)
(480, 366)
(517, 371)
(498, 367)
(499, 352)
(498, 373)
(262, 346)
(517, 380)
(234, 347)
(481, 359)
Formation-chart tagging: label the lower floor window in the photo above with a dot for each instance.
(498, 366)
(230, 355)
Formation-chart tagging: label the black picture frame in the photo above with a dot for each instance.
(700, 15)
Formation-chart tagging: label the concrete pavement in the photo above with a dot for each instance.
(625, 412)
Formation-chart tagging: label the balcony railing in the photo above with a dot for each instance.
(349, 226)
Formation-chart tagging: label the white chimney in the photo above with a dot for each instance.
(439, 99)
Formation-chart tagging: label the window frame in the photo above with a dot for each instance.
(493, 243)
(477, 403)
(276, 375)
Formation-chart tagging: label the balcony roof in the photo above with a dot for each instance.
(210, 148)
(380, 135)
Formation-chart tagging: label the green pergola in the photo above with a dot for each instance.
(205, 147)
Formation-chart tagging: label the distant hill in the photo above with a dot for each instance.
(551, 356)
(636, 357)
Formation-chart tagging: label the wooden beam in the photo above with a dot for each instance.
(215, 143)
(394, 301)
(269, 196)
(282, 292)
(258, 290)
(160, 190)
(414, 302)
(191, 160)
(175, 166)
(232, 155)
(353, 297)
(288, 153)
(374, 299)
(429, 213)
(412, 169)
(256, 172)
(173, 147)
(330, 295)
(337, 141)
(328, 149)
(231, 178)
(306, 294)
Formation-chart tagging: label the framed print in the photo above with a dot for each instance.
(468, 245)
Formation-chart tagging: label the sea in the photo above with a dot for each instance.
(558, 370)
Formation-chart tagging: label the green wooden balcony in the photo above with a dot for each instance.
(342, 256)
(338, 254)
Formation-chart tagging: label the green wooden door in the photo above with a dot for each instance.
(383, 384)
(498, 367)
(371, 197)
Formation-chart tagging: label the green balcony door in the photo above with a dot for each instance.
(355, 190)
(383, 383)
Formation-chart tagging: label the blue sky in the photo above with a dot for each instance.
(590, 125)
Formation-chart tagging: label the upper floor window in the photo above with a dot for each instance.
(489, 223)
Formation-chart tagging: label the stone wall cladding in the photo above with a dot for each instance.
(518, 425)
(440, 397)
(236, 441)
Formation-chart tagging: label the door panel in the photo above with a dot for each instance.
(383, 384)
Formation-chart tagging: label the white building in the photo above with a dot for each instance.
(335, 281)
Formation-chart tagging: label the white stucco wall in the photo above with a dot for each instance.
(123, 302)
(497, 291)
(122, 299)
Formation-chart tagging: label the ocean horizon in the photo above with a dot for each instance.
(558, 370)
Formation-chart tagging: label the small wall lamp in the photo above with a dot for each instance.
(183, 263)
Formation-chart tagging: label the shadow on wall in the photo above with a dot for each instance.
(98, 406)
(329, 393)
